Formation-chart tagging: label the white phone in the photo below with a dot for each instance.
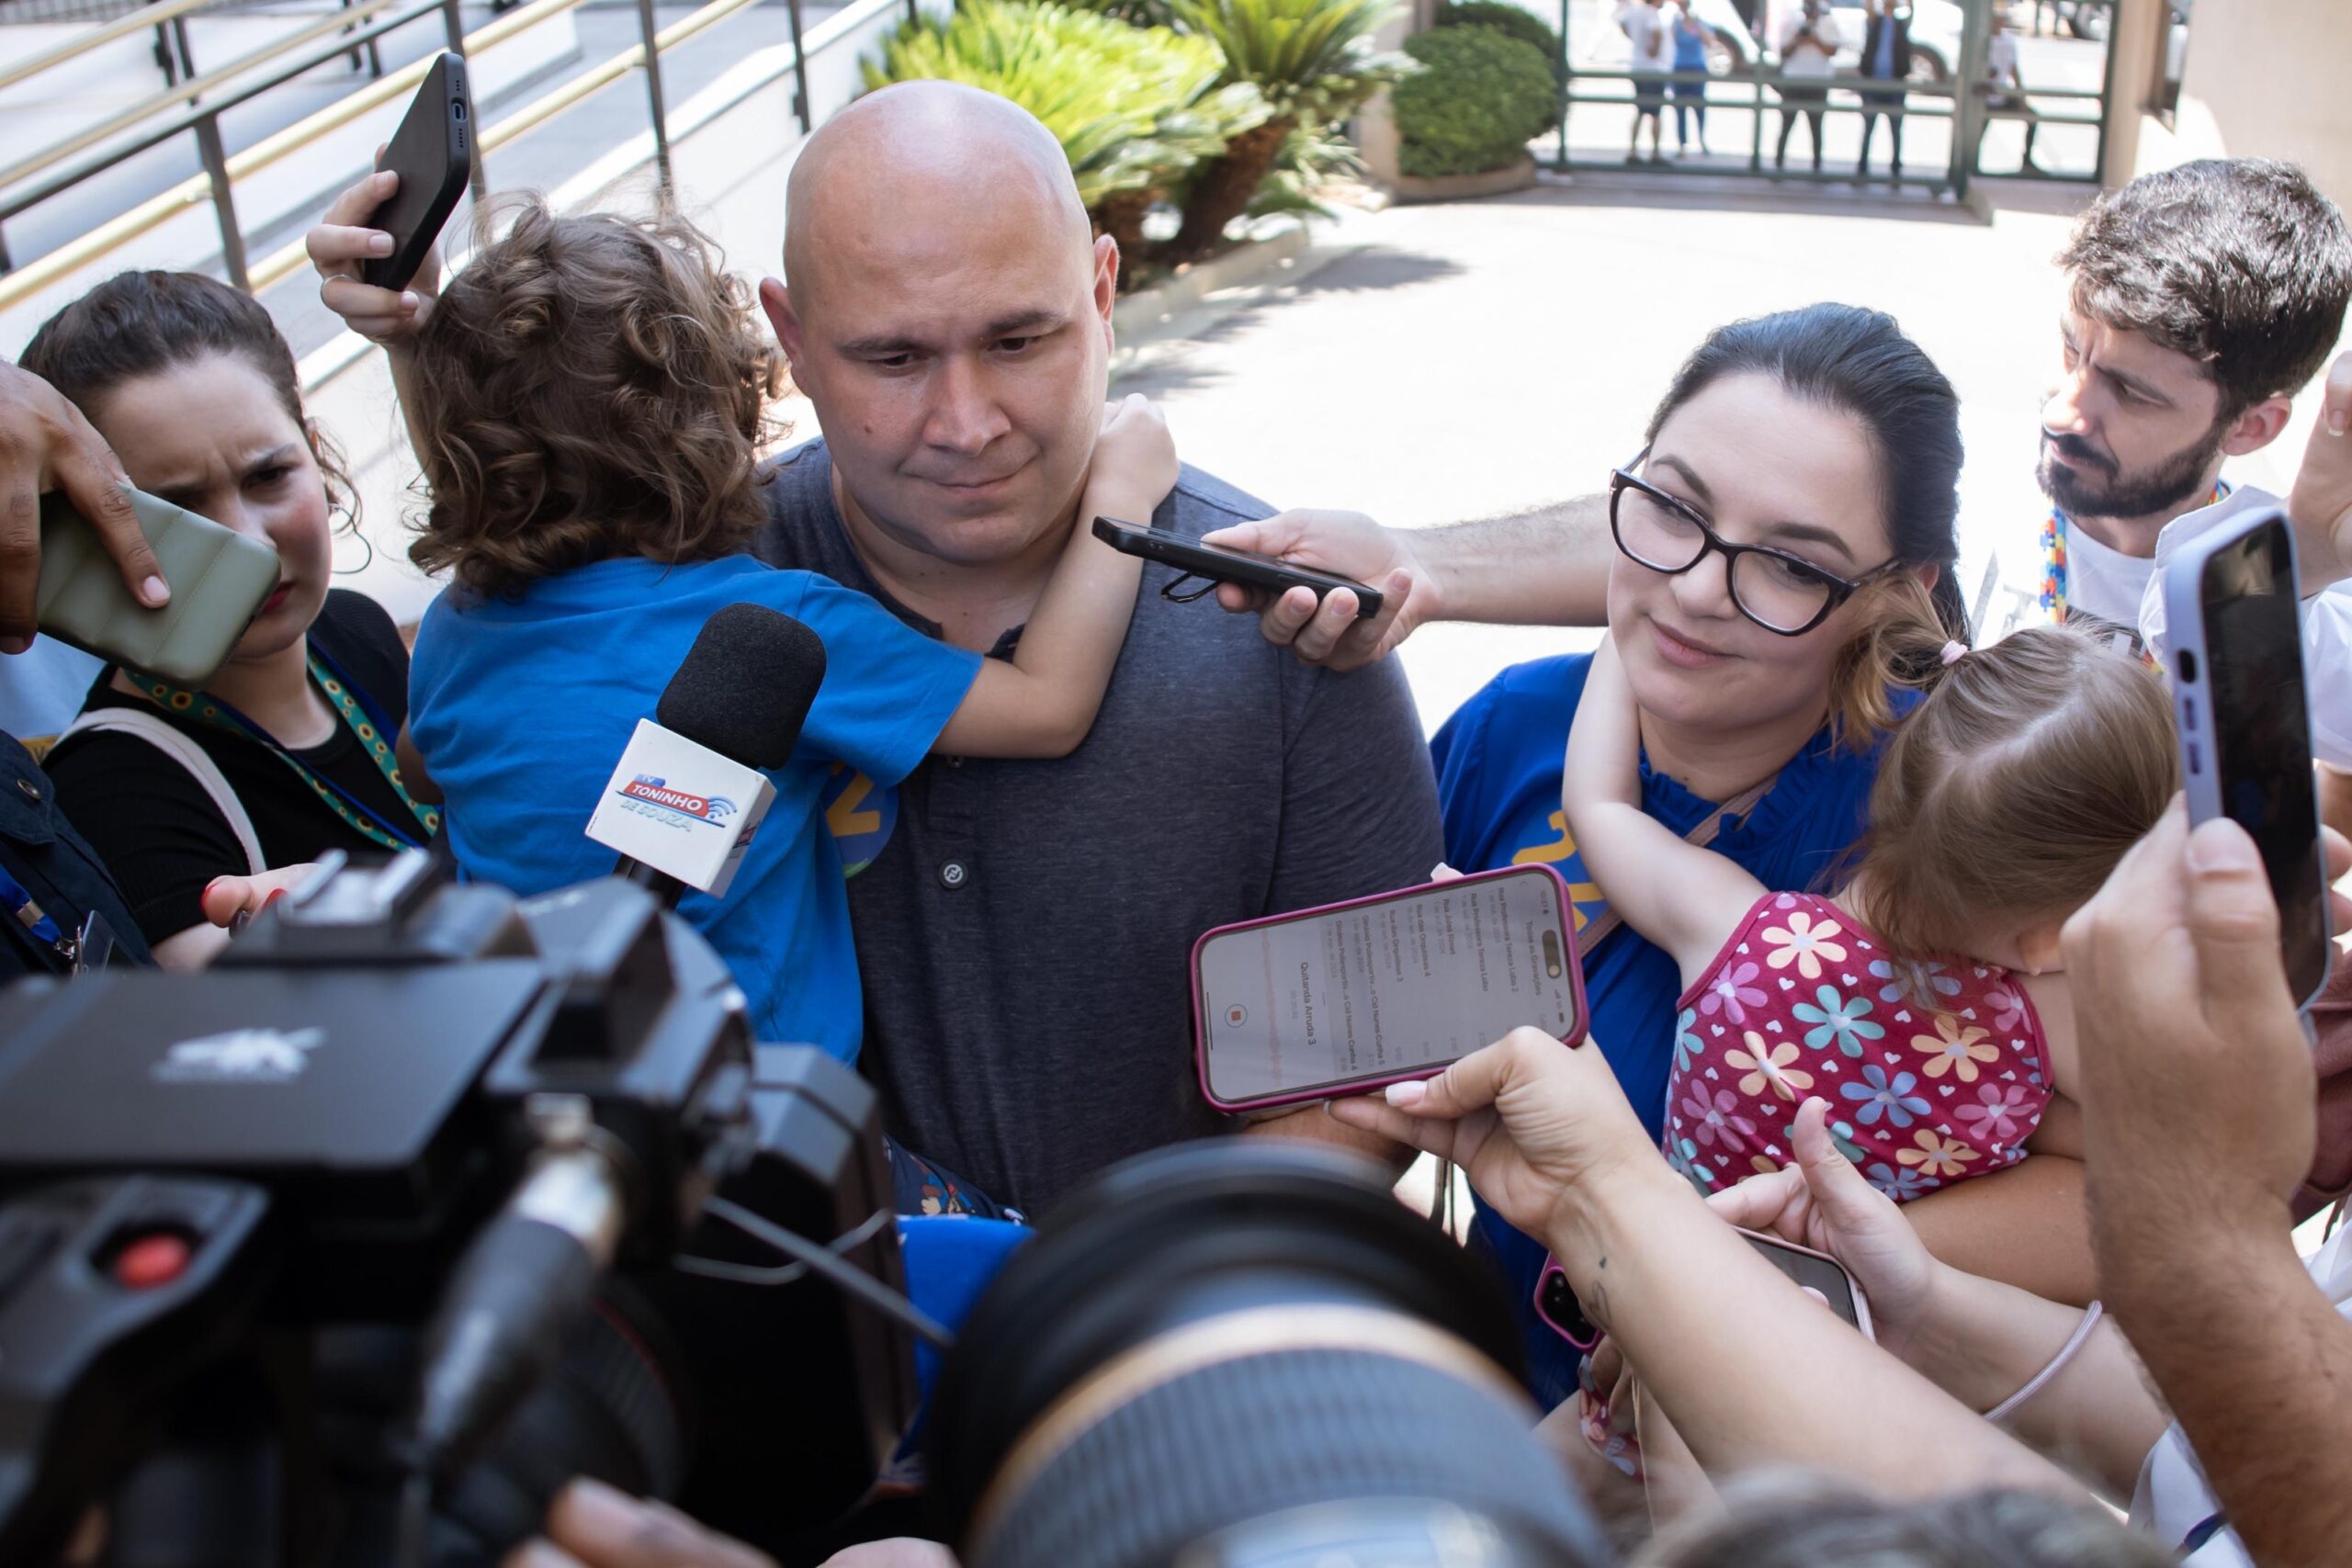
(2244, 713)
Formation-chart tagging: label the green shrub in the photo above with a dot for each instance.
(1134, 108)
(1479, 98)
(1312, 61)
(1505, 17)
(1519, 23)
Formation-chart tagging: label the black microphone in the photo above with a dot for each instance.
(743, 691)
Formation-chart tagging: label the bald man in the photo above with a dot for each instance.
(1024, 927)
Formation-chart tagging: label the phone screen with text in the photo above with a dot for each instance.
(1386, 988)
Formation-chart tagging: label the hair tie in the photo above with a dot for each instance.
(1953, 652)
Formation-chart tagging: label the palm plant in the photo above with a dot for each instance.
(1313, 63)
(1134, 108)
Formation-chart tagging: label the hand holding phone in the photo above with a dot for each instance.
(2243, 713)
(1356, 995)
(431, 153)
(224, 579)
(1214, 564)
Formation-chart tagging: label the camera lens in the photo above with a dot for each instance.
(1234, 1353)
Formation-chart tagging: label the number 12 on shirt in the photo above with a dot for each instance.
(1352, 996)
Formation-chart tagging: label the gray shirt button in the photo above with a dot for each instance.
(952, 874)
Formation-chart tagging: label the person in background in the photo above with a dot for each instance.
(286, 752)
(1886, 59)
(1646, 26)
(1808, 45)
(1689, 38)
(2005, 89)
(2200, 299)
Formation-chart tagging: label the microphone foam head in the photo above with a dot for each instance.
(744, 688)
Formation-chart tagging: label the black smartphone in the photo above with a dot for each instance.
(2244, 715)
(1220, 565)
(433, 153)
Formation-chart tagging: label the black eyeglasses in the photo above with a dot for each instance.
(1777, 590)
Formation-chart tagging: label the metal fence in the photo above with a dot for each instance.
(1765, 96)
(193, 107)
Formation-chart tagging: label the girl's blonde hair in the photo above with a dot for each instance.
(595, 387)
(2015, 786)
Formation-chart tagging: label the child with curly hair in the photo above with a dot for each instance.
(589, 399)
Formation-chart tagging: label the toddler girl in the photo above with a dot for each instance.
(1918, 1000)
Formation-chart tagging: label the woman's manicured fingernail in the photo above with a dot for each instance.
(379, 244)
(154, 591)
(409, 302)
(1405, 1096)
(2337, 420)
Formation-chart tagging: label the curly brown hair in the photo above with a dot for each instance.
(595, 386)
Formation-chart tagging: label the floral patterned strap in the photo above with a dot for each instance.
(1739, 805)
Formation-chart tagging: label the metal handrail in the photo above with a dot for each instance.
(160, 208)
(57, 152)
(191, 119)
(291, 258)
(82, 43)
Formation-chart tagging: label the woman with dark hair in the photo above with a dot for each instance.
(1821, 450)
(286, 752)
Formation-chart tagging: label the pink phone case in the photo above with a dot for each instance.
(1366, 1086)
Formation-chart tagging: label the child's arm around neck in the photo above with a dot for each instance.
(1043, 702)
(1686, 899)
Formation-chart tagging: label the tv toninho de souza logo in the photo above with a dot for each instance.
(647, 789)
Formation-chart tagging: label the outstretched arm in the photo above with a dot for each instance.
(1685, 899)
(1548, 567)
(1546, 1135)
(1042, 702)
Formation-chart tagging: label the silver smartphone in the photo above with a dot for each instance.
(2242, 710)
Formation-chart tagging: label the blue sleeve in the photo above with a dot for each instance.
(888, 689)
(1461, 798)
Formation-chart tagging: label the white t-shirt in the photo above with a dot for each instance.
(2001, 56)
(1653, 42)
(1808, 61)
(2326, 616)
(2174, 1501)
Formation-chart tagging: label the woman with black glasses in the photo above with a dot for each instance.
(1798, 465)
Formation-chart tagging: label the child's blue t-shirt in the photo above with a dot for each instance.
(1499, 785)
(522, 707)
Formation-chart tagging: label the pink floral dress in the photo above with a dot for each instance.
(1935, 1070)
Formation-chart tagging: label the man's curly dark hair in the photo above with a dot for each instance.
(590, 388)
(2237, 263)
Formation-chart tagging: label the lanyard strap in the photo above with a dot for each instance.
(362, 716)
(36, 922)
(2053, 555)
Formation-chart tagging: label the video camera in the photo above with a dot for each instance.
(230, 1330)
